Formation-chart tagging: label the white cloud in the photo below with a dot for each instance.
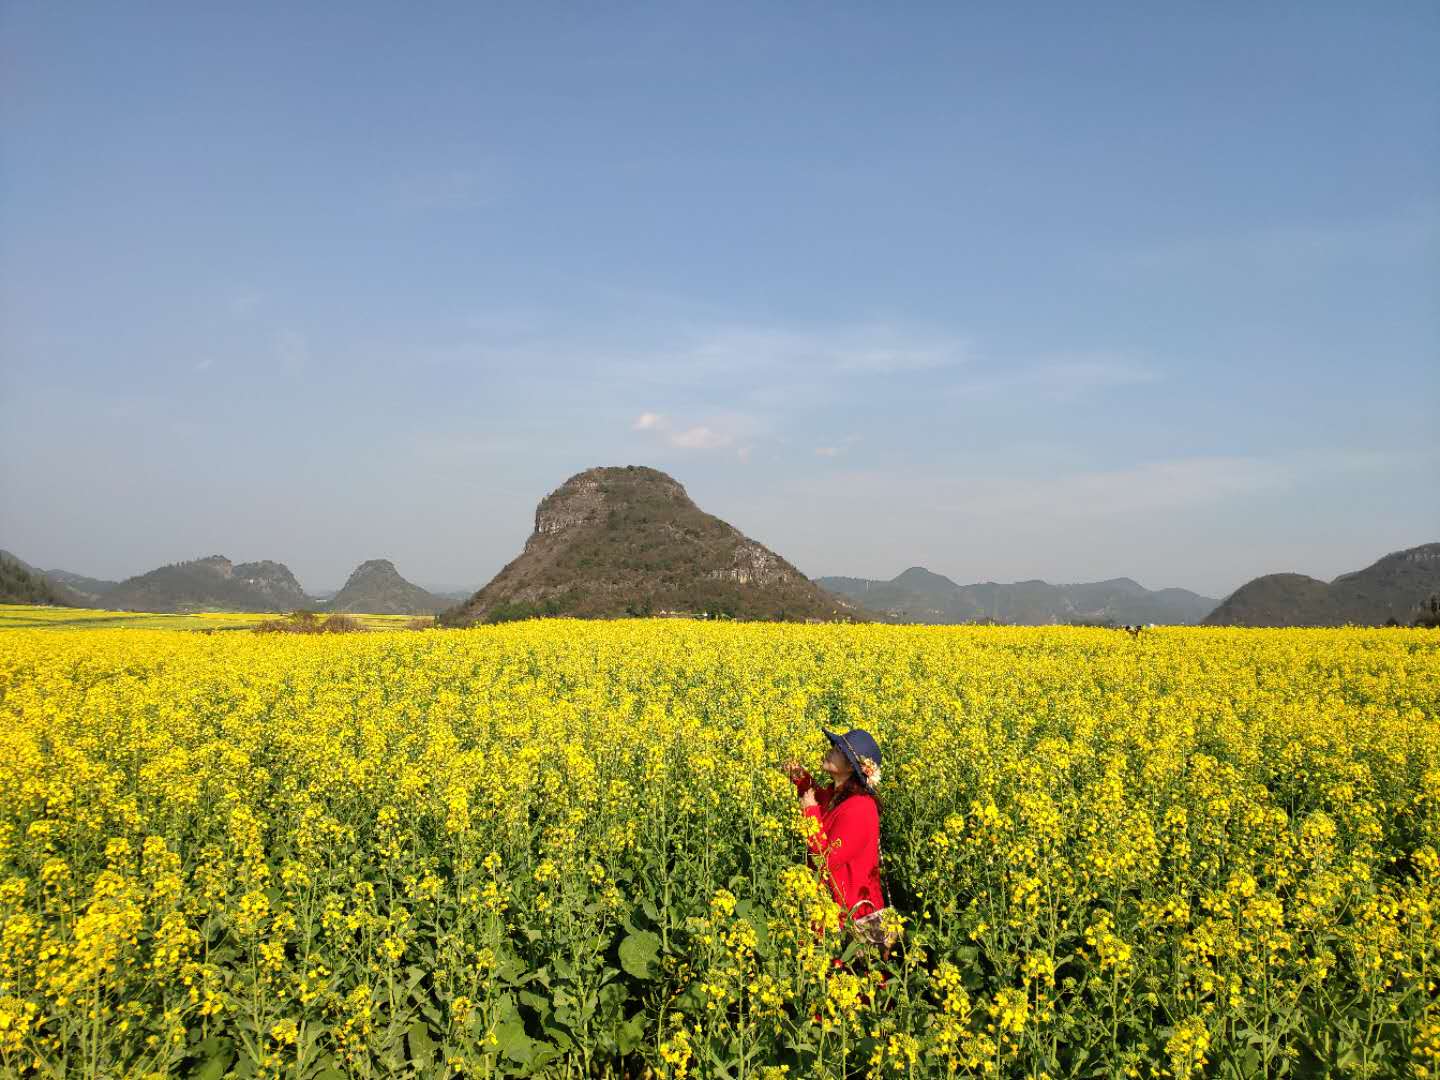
(715, 433)
(827, 451)
(699, 437)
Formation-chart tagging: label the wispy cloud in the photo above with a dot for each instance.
(243, 301)
(1293, 248)
(700, 437)
(1145, 488)
(1063, 378)
(1140, 490)
(837, 450)
(785, 354)
(714, 434)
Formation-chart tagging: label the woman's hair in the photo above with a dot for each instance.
(854, 786)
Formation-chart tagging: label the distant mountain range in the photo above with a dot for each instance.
(213, 583)
(922, 596)
(629, 541)
(1393, 588)
(89, 589)
(451, 591)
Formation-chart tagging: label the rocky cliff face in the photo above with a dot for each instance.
(617, 541)
(271, 581)
(752, 564)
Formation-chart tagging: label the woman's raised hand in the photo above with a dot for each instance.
(793, 769)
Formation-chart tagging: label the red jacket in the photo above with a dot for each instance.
(849, 841)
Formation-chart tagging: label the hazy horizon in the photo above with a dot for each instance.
(1091, 293)
(321, 585)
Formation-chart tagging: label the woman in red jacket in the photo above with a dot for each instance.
(847, 844)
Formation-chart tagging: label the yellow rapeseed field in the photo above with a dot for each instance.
(37, 617)
(564, 849)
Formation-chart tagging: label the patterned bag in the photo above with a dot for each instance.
(872, 931)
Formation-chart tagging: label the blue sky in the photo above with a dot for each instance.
(1075, 293)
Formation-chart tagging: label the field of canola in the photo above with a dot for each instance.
(563, 849)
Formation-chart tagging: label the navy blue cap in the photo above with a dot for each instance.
(856, 744)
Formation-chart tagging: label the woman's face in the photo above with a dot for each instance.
(837, 765)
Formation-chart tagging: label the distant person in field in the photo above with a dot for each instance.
(846, 847)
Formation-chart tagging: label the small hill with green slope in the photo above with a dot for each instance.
(211, 584)
(921, 596)
(21, 583)
(376, 588)
(629, 541)
(1394, 587)
(91, 590)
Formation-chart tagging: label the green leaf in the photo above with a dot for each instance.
(690, 1001)
(215, 1055)
(559, 1037)
(638, 954)
(631, 1034)
(611, 995)
(509, 968)
(544, 1054)
(513, 1043)
(422, 1046)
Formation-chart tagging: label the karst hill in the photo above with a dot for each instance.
(619, 541)
(211, 584)
(1394, 588)
(376, 588)
(921, 596)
